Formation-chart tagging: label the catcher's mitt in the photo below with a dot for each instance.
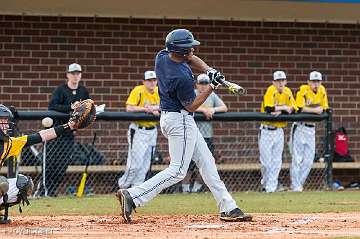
(83, 115)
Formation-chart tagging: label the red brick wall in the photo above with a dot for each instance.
(116, 51)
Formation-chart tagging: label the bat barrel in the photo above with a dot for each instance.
(240, 90)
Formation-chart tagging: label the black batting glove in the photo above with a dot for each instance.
(216, 78)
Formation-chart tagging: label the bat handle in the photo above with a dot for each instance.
(93, 141)
(226, 83)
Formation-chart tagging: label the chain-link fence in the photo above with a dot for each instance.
(56, 167)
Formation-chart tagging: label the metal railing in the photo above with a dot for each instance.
(236, 152)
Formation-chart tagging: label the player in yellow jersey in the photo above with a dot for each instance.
(311, 98)
(142, 135)
(278, 99)
(16, 190)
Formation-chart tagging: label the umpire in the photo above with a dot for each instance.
(60, 150)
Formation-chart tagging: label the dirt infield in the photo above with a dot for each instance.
(321, 225)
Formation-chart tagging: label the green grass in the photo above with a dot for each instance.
(204, 203)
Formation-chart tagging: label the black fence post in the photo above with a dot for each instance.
(11, 166)
(12, 161)
(329, 150)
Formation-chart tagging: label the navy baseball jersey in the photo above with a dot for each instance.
(176, 83)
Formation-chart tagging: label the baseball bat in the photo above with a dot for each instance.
(81, 188)
(234, 88)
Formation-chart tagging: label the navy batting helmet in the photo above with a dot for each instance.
(180, 41)
(7, 125)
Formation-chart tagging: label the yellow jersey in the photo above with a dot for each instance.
(139, 96)
(306, 97)
(274, 98)
(11, 148)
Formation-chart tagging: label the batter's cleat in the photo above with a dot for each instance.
(235, 215)
(126, 203)
(4, 220)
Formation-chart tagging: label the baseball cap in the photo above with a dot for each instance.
(203, 79)
(149, 75)
(315, 75)
(74, 67)
(279, 75)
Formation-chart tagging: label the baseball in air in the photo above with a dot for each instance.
(47, 122)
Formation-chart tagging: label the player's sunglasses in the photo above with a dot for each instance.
(75, 72)
(203, 83)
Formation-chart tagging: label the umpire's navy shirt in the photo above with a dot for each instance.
(175, 81)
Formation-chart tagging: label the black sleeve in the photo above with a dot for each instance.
(33, 139)
(269, 109)
(83, 94)
(87, 93)
(57, 102)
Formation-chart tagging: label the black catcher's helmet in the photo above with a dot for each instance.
(7, 123)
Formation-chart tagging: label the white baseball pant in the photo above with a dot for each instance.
(142, 144)
(12, 193)
(185, 143)
(271, 145)
(303, 153)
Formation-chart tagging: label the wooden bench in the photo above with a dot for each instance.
(221, 167)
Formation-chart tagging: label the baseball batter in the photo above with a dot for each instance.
(310, 98)
(278, 99)
(178, 101)
(16, 190)
(141, 134)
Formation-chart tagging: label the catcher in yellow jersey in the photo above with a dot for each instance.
(278, 99)
(142, 135)
(311, 98)
(16, 190)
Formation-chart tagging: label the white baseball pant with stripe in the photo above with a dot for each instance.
(142, 144)
(271, 145)
(303, 153)
(185, 143)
